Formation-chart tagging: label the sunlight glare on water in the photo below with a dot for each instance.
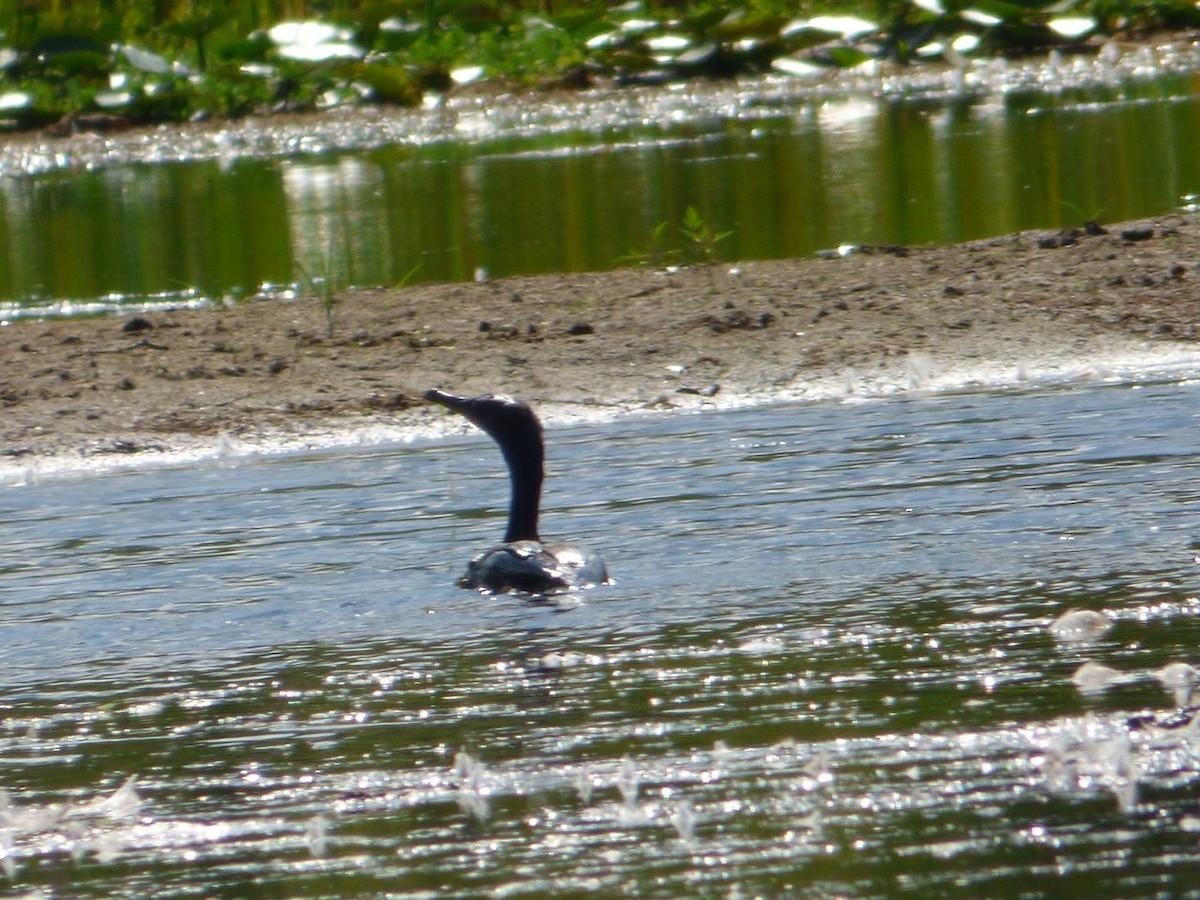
(826, 667)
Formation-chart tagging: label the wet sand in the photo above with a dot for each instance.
(270, 374)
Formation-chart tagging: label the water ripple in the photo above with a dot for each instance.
(826, 667)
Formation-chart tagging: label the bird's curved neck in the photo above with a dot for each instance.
(525, 471)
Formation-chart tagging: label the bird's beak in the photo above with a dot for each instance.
(450, 401)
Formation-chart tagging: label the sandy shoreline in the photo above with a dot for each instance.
(94, 393)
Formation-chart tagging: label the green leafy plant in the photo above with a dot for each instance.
(700, 247)
(229, 93)
(322, 287)
(657, 253)
(1082, 216)
(64, 53)
(703, 237)
(407, 278)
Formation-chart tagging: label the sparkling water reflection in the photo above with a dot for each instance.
(825, 667)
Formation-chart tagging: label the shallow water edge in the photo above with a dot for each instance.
(835, 663)
(919, 374)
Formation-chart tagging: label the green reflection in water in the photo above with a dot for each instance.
(862, 171)
(144, 230)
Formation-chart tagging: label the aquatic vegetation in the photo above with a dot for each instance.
(147, 62)
(335, 261)
(701, 235)
(698, 246)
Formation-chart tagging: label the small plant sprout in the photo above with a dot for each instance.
(700, 243)
(702, 235)
(407, 278)
(322, 287)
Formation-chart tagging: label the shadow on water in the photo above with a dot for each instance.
(825, 667)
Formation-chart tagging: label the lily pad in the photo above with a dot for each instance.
(15, 100)
(390, 83)
(989, 13)
(930, 6)
(631, 61)
(798, 68)
(668, 43)
(605, 40)
(321, 52)
(733, 28)
(1072, 27)
(113, 99)
(965, 43)
(573, 21)
(145, 60)
(59, 44)
(849, 57)
(979, 17)
(637, 26)
(698, 55)
(313, 41)
(310, 32)
(76, 62)
(846, 27)
(258, 70)
(715, 18)
(398, 34)
(466, 74)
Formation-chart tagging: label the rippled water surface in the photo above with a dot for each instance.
(824, 669)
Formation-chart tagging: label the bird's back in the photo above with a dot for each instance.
(532, 567)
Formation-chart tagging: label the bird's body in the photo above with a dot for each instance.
(531, 567)
(522, 563)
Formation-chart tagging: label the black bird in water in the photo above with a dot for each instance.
(522, 563)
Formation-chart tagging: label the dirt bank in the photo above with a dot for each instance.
(879, 319)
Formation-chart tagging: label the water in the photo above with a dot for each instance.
(824, 669)
(780, 177)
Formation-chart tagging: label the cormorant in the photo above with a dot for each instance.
(522, 563)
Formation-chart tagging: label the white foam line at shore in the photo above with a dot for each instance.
(917, 375)
(920, 373)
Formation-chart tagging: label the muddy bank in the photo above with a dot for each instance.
(877, 320)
